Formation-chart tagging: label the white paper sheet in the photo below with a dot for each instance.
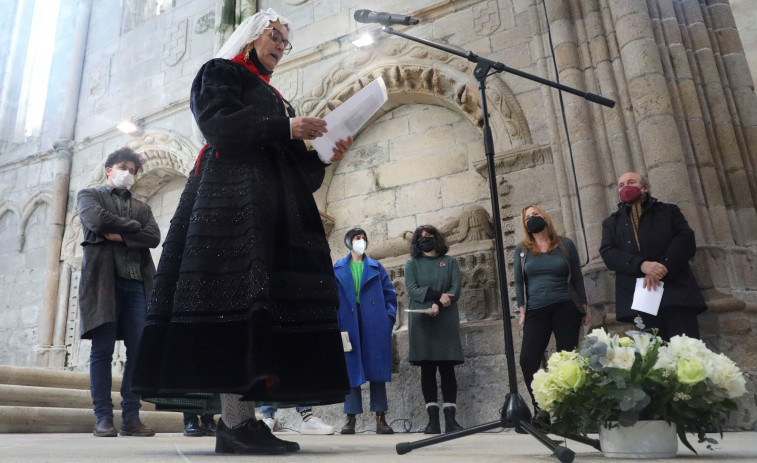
(349, 117)
(645, 300)
(429, 310)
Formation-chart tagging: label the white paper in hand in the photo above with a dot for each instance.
(349, 117)
(645, 300)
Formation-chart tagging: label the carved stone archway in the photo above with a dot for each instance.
(416, 74)
(160, 149)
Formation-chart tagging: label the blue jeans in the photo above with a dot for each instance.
(353, 402)
(131, 309)
(269, 411)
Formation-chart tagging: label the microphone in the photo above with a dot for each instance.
(387, 19)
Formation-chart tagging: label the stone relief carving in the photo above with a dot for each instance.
(99, 82)
(14, 212)
(205, 22)
(296, 2)
(413, 69)
(478, 299)
(518, 159)
(176, 45)
(159, 149)
(41, 197)
(473, 224)
(135, 12)
(486, 18)
(70, 249)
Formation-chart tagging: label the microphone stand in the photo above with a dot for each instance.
(515, 413)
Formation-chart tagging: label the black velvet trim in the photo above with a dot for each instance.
(303, 364)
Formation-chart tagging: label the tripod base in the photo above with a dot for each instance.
(515, 414)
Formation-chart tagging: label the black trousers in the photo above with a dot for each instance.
(672, 321)
(428, 381)
(561, 318)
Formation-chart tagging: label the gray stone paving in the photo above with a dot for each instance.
(505, 446)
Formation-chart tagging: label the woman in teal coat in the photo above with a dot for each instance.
(432, 279)
(367, 310)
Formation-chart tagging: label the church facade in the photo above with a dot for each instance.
(685, 116)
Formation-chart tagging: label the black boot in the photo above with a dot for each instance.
(382, 427)
(450, 424)
(349, 425)
(252, 437)
(433, 426)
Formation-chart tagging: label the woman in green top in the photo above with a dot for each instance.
(549, 288)
(433, 282)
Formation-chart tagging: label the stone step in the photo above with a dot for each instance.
(34, 396)
(29, 376)
(75, 420)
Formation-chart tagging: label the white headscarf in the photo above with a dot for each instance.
(250, 29)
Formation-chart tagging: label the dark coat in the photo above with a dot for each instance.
(664, 237)
(371, 356)
(433, 338)
(245, 298)
(97, 287)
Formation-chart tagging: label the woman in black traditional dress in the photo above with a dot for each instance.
(245, 299)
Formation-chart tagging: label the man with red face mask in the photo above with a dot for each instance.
(646, 238)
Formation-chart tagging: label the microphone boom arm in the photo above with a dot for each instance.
(486, 64)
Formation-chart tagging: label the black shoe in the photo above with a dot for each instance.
(192, 429)
(252, 437)
(104, 428)
(208, 428)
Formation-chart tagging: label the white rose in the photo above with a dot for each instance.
(726, 375)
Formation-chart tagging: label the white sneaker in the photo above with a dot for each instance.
(315, 425)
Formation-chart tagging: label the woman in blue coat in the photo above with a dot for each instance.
(367, 310)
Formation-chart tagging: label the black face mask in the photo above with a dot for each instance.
(535, 224)
(427, 244)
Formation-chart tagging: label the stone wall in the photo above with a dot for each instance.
(686, 116)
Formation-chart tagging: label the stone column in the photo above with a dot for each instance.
(13, 72)
(662, 153)
(584, 128)
(741, 101)
(52, 260)
(64, 149)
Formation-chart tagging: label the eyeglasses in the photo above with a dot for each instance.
(278, 38)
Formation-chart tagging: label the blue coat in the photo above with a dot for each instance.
(371, 356)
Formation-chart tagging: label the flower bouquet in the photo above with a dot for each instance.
(638, 377)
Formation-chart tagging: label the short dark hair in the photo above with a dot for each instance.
(441, 244)
(352, 234)
(124, 155)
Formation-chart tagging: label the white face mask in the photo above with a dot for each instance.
(359, 246)
(122, 179)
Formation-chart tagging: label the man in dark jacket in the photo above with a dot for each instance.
(649, 239)
(116, 279)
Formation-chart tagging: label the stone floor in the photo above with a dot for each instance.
(504, 446)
